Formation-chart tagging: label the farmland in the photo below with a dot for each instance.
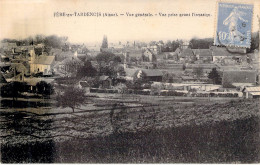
(136, 129)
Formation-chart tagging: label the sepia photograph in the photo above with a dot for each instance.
(95, 81)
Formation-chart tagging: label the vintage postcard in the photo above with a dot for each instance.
(140, 81)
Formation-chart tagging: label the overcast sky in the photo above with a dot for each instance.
(23, 18)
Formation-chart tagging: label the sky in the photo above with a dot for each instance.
(23, 18)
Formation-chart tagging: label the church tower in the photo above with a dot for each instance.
(104, 42)
(33, 56)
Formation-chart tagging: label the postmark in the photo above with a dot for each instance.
(233, 26)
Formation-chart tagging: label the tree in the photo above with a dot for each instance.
(152, 42)
(72, 66)
(72, 97)
(121, 71)
(44, 88)
(117, 59)
(198, 72)
(86, 70)
(140, 76)
(183, 67)
(167, 77)
(254, 41)
(104, 58)
(107, 71)
(13, 89)
(214, 76)
(201, 43)
(175, 45)
(156, 90)
(104, 43)
(39, 39)
(55, 41)
(108, 63)
(227, 84)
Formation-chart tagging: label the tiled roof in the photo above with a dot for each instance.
(26, 47)
(75, 60)
(239, 76)
(19, 67)
(152, 72)
(253, 89)
(202, 52)
(45, 60)
(178, 50)
(223, 51)
(130, 72)
(8, 44)
(134, 52)
(67, 54)
(149, 51)
(103, 78)
(255, 93)
(186, 52)
(55, 51)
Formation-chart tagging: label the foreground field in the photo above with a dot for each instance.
(147, 133)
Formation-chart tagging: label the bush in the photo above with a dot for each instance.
(172, 93)
(13, 89)
(214, 94)
(44, 88)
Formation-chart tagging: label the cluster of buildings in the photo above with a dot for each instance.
(33, 63)
(238, 69)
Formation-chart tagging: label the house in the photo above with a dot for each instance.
(239, 78)
(68, 66)
(149, 74)
(130, 73)
(229, 61)
(169, 55)
(8, 46)
(93, 50)
(252, 92)
(4, 58)
(155, 48)
(178, 51)
(19, 68)
(84, 85)
(204, 55)
(219, 53)
(149, 56)
(192, 79)
(206, 67)
(61, 55)
(184, 44)
(116, 51)
(26, 48)
(186, 55)
(32, 81)
(133, 53)
(55, 52)
(17, 77)
(105, 82)
(42, 64)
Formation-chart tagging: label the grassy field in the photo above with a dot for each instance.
(167, 131)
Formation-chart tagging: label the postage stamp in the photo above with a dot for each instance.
(234, 23)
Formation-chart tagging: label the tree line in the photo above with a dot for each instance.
(53, 41)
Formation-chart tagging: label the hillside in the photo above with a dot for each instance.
(218, 132)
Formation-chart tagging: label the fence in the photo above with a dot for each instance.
(167, 93)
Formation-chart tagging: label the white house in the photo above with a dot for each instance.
(252, 92)
(41, 63)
